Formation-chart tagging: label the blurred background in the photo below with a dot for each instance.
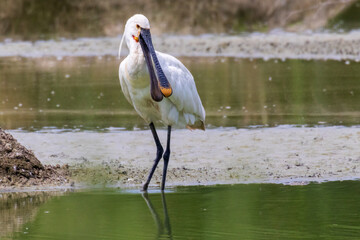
(59, 68)
(43, 19)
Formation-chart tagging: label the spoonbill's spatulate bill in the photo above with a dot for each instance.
(170, 97)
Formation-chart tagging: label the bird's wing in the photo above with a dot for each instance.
(122, 75)
(185, 96)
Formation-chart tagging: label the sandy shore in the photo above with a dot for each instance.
(269, 155)
(275, 45)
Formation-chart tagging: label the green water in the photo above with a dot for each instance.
(253, 211)
(78, 94)
(84, 93)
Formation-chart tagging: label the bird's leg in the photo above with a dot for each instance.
(166, 159)
(159, 154)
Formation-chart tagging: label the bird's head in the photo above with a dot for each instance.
(133, 30)
(137, 36)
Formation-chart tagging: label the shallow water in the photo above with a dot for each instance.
(74, 94)
(253, 211)
(83, 94)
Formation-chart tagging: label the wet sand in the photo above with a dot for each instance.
(280, 45)
(284, 154)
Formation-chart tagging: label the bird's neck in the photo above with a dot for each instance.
(136, 63)
(135, 49)
(133, 46)
(137, 57)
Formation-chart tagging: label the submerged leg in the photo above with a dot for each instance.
(159, 154)
(166, 159)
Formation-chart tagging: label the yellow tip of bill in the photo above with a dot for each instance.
(166, 91)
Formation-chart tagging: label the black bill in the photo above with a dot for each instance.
(159, 85)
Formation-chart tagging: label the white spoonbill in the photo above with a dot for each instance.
(159, 86)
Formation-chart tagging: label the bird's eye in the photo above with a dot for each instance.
(137, 26)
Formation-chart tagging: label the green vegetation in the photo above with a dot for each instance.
(348, 19)
(48, 19)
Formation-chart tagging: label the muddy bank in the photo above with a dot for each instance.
(19, 167)
(274, 45)
(278, 155)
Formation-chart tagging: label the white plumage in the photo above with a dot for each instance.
(159, 87)
(182, 109)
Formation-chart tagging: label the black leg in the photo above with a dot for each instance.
(159, 154)
(166, 159)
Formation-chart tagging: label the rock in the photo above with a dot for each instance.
(8, 147)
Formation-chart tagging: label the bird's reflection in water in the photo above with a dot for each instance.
(164, 228)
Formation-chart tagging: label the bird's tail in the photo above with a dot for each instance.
(198, 125)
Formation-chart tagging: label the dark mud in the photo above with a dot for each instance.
(19, 167)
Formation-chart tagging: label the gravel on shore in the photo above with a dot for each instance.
(288, 155)
(279, 45)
